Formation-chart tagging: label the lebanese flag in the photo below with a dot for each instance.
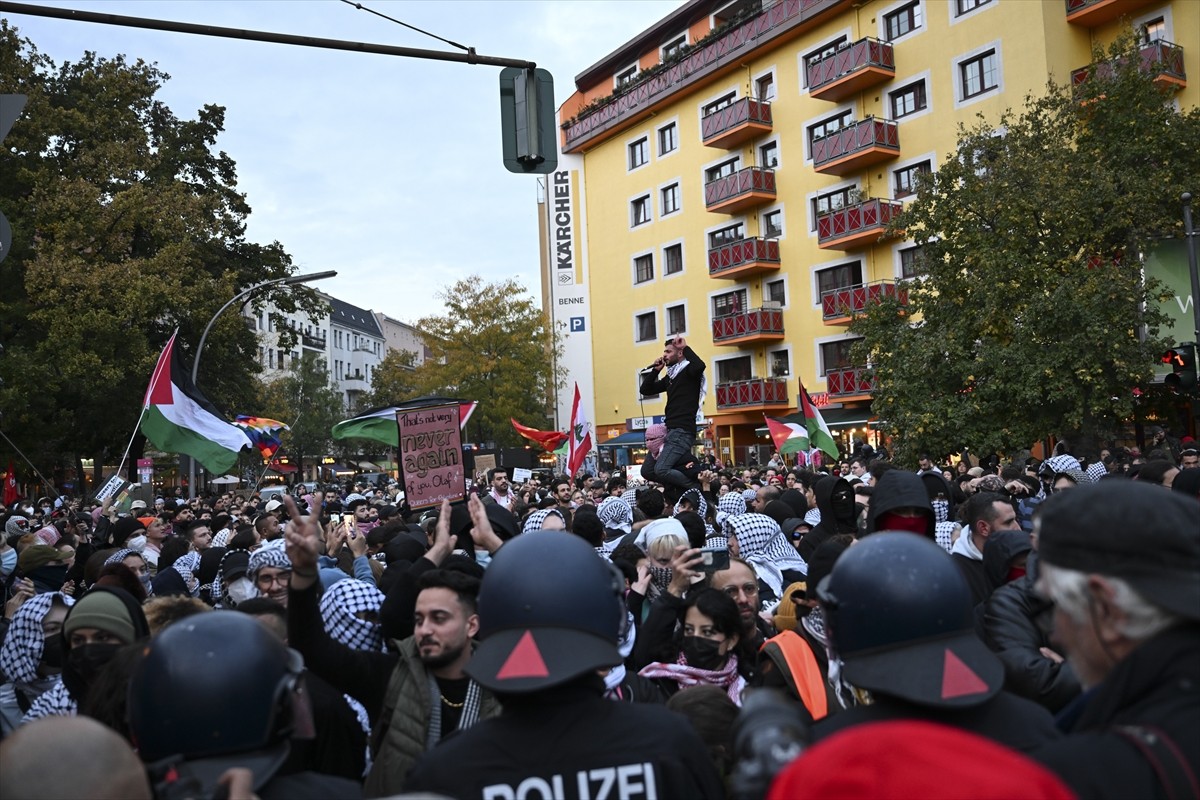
(177, 418)
(548, 440)
(818, 432)
(579, 437)
(11, 493)
(789, 437)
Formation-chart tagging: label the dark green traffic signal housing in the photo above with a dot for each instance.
(1182, 360)
(527, 121)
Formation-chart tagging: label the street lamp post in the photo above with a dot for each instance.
(290, 280)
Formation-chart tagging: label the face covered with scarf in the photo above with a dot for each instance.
(101, 623)
(350, 610)
(656, 437)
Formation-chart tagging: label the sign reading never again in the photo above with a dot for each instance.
(431, 455)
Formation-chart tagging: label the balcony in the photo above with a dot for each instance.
(856, 147)
(736, 123)
(839, 306)
(312, 342)
(850, 383)
(710, 59)
(355, 382)
(744, 258)
(748, 327)
(850, 70)
(746, 188)
(1162, 59)
(1092, 13)
(859, 225)
(753, 395)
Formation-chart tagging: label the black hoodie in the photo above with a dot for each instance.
(832, 523)
(895, 489)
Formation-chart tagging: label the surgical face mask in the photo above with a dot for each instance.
(8, 562)
(137, 543)
(242, 590)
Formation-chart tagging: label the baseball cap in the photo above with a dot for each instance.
(273, 505)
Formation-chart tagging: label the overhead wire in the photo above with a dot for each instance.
(361, 7)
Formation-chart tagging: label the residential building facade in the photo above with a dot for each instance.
(727, 175)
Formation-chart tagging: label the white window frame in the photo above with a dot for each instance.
(787, 348)
(630, 142)
(677, 182)
(649, 198)
(956, 18)
(882, 16)
(726, 223)
(956, 75)
(762, 230)
(650, 398)
(817, 342)
(895, 85)
(754, 365)
(787, 289)
(658, 141)
(814, 286)
(837, 110)
(617, 82)
(756, 77)
(802, 58)
(714, 97)
(897, 265)
(731, 288)
(662, 253)
(633, 268)
(808, 201)
(931, 157)
(1161, 11)
(641, 313)
(687, 318)
(687, 39)
(778, 152)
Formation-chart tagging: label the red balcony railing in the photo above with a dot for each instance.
(855, 146)
(754, 392)
(851, 69)
(717, 54)
(857, 225)
(1090, 13)
(1163, 59)
(734, 124)
(849, 381)
(744, 256)
(745, 188)
(756, 324)
(846, 302)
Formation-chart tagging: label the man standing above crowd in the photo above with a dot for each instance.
(685, 386)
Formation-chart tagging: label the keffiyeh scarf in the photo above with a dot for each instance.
(340, 607)
(23, 644)
(535, 520)
(56, 702)
(674, 370)
(726, 677)
(267, 557)
(731, 505)
(761, 544)
(615, 514)
(470, 712)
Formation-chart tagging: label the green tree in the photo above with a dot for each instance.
(493, 344)
(127, 224)
(394, 380)
(1032, 313)
(309, 402)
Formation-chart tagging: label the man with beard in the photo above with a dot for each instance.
(500, 492)
(418, 692)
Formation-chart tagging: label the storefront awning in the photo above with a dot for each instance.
(283, 469)
(631, 439)
(368, 466)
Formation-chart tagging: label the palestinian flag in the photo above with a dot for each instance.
(818, 432)
(547, 440)
(789, 437)
(379, 424)
(177, 418)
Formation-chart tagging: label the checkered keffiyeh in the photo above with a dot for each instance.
(222, 537)
(731, 505)
(1096, 471)
(615, 514)
(340, 607)
(696, 499)
(1061, 463)
(267, 557)
(121, 555)
(630, 497)
(761, 543)
(536, 519)
(23, 644)
(54, 702)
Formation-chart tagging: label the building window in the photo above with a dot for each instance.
(979, 74)
(836, 355)
(829, 201)
(768, 155)
(910, 262)
(776, 292)
(1153, 31)
(764, 87)
(668, 139)
(772, 224)
(903, 20)
(908, 100)
(721, 102)
(280, 359)
(827, 126)
(639, 211)
(639, 153)
(672, 259)
(729, 303)
(840, 277)
(721, 170)
(906, 178)
(672, 48)
(676, 320)
(670, 199)
(637, 382)
(625, 76)
(822, 52)
(726, 235)
(647, 327)
(643, 268)
(735, 369)
(964, 6)
(781, 363)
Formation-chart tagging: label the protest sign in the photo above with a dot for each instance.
(431, 455)
(520, 475)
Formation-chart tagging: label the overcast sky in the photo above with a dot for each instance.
(386, 169)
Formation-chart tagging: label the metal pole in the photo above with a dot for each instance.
(286, 281)
(469, 57)
(1189, 234)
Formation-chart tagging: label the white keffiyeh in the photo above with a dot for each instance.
(340, 607)
(761, 543)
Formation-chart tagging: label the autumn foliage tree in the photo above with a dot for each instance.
(1031, 315)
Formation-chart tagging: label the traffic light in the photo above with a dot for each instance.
(1182, 360)
(530, 137)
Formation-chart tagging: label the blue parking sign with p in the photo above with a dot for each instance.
(577, 325)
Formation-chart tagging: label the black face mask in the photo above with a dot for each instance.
(843, 504)
(52, 651)
(702, 653)
(84, 664)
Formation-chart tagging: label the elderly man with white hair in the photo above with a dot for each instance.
(1121, 561)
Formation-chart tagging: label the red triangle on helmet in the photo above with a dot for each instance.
(958, 679)
(525, 661)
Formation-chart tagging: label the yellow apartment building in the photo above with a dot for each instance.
(727, 174)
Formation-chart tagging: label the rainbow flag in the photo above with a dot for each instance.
(263, 433)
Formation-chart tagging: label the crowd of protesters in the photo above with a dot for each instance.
(978, 627)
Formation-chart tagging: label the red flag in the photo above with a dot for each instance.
(11, 495)
(579, 440)
(549, 440)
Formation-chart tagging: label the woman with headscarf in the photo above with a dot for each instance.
(101, 623)
(702, 651)
(31, 657)
(617, 517)
(759, 541)
(350, 610)
(136, 562)
(545, 519)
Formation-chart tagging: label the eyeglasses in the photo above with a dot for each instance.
(282, 579)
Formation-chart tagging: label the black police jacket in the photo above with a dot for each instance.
(570, 743)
